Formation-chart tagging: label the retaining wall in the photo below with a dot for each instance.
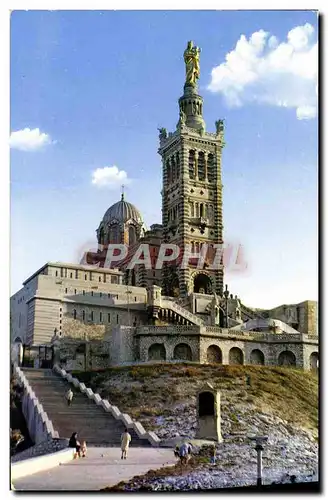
(39, 426)
(37, 464)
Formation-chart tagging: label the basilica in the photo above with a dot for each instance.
(92, 314)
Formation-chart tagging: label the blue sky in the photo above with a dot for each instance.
(99, 83)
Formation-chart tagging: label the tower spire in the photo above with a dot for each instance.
(122, 196)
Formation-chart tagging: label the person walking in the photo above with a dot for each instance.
(213, 455)
(125, 443)
(69, 396)
(185, 453)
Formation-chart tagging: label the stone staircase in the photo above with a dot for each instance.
(248, 313)
(90, 421)
(171, 305)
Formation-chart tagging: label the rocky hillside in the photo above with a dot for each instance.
(278, 402)
(163, 396)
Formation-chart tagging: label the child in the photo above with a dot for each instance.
(84, 448)
(213, 455)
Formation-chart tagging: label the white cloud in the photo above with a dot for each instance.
(110, 177)
(262, 70)
(28, 140)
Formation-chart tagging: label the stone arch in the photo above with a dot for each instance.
(183, 352)
(287, 358)
(314, 361)
(157, 352)
(236, 356)
(202, 283)
(214, 354)
(257, 357)
(18, 340)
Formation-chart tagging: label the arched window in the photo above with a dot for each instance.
(183, 352)
(236, 356)
(168, 172)
(314, 362)
(178, 165)
(201, 166)
(287, 358)
(173, 167)
(132, 235)
(214, 354)
(257, 357)
(74, 314)
(157, 352)
(114, 234)
(83, 315)
(192, 164)
(210, 168)
(101, 236)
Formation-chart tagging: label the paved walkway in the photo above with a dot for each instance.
(102, 467)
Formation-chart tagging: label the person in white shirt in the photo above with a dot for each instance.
(69, 396)
(125, 443)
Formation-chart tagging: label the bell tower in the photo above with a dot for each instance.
(192, 190)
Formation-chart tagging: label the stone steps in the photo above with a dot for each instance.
(91, 422)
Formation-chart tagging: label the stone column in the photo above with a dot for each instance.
(196, 165)
(205, 166)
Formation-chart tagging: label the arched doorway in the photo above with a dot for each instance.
(157, 352)
(214, 354)
(257, 357)
(287, 358)
(314, 362)
(206, 404)
(236, 356)
(202, 284)
(182, 352)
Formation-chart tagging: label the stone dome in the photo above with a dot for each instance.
(121, 212)
(122, 223)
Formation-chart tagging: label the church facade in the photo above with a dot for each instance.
(139, 313)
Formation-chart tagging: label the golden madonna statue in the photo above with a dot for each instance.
(191, 59)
